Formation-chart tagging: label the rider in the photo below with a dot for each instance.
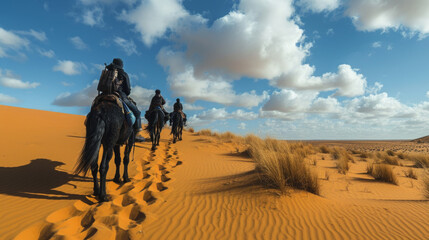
(178, 108)
(124, 90)
(158, 101)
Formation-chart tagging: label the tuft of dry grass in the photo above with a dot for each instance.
(420, 160)
(410, 173)
(205, 132)
(281, 164)
(390, 152)
(387, 158)
(191, 130)
(324, 149)
(383, 173)
(343, 158)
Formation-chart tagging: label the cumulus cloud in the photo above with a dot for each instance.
(78, 43)
(152, 18)
(7, 79)
(69, 67)
(211, 88)
(82, 98)
(375, 106)
(142, 96)
(376, 44)
(242, 125)
(96, 2)
(318, 6)
(191, 107)
(127, 45)
(370, 15)
(289, 101)
(214, 114)
(7, 99)
(348, 82)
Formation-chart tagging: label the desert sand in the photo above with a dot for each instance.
(198, 188)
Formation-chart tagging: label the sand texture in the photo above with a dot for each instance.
(198, 188)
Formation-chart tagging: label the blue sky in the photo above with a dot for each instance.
(304, 69)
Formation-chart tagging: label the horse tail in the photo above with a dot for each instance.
(94, 133)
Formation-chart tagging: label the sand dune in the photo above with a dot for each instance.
(198, 188)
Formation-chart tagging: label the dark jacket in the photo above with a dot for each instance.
(156, 101)
(125, 87)
(178, 107)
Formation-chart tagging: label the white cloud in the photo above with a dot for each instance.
(330, 32)
(318, 6)
(153, 18)
(376, 44)
(191, 107)
(214, 114)
(11, 81)
(209, 88)
(427, 94)
(47, 53)
(11, 41)
(82, 99)
(128, 46)
(289, 101)
(41, 36)
(370, 15)
(348, 82)
(78, 43)
(142, 96)
(375, 106)
(95, 2)
(7, 99)
(69, 67)
(93, 17)
(242, 125)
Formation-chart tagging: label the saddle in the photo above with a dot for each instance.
(114, 98)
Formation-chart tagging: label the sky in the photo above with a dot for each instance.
(303, 69)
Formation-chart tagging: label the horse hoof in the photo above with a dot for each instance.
(96, 192)
(126, 180)
(117, 180)
(174, 141)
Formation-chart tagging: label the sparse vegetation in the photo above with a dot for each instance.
(420, 160)
(385, 157)
(281, 164)
(205, 132)
(343, 158)
(390, 153)
(191, 130)
(383, 173)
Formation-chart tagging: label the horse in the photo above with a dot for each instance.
(177, 121)
(155, 125)
(105, 125)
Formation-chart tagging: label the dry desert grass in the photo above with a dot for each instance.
(382, 172)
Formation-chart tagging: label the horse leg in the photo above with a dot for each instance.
(94, 170)
(128, 148)
(117, 151)
(158, 135)
(104, 167)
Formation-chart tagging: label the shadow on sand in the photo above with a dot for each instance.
(38, 179)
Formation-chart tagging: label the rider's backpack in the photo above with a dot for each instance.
(109, 81)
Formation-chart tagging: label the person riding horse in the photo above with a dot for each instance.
(158, 101)
(178, 108)
(124, 90)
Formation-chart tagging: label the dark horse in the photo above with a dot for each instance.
(176, 130)
(155, 125)
(105, 125)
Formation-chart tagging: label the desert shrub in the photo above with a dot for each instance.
(343, 165)
(401, 155)
(355, 151)
(383, 173)
(191, 130)
(227, 137)
(364, 155)
(281, 164)
(205, 132)
(386, 158)
(370, 167)
(343, 158)
(420, 160)
(410, 173)
(390, 152)
(324, 149)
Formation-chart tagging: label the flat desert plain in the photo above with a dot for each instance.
(203, 187)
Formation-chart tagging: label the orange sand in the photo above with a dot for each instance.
(195, 189)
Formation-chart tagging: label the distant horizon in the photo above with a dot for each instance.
(290, 69)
